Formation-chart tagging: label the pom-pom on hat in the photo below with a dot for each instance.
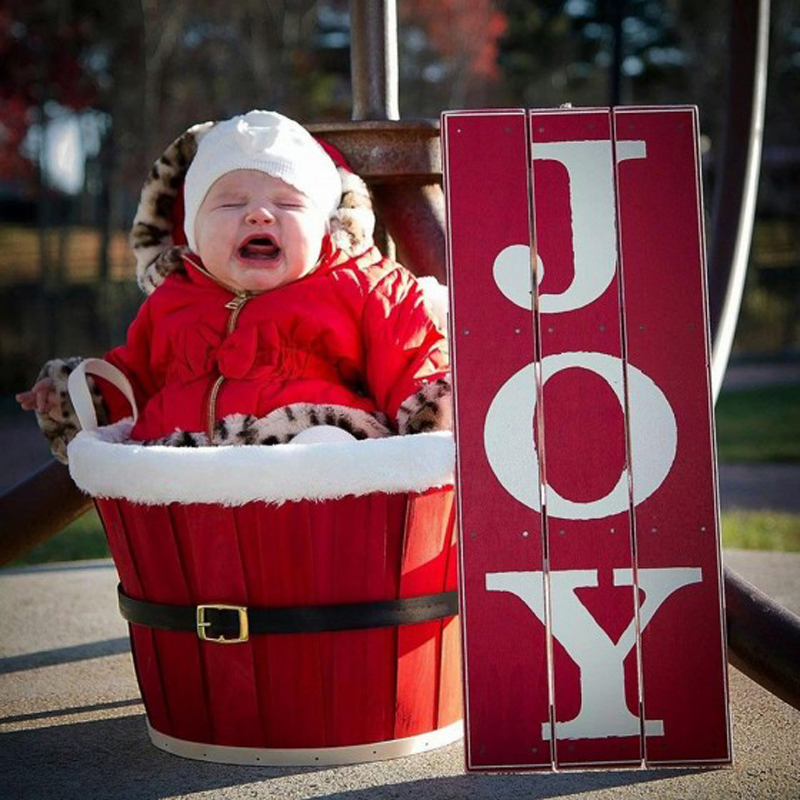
(268, 142)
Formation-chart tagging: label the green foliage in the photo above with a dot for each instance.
(761, 530)
(759, 425)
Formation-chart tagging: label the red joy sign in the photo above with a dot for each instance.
(592, 618)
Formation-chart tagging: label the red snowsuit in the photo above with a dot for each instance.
(354, 332)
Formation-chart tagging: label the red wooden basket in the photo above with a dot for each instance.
(256, 541)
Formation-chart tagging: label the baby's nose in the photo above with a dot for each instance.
(258, 215)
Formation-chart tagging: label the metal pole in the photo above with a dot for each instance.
(763, 639)
(373, 59)
(737, 176)
(38, 507)
(617, 15)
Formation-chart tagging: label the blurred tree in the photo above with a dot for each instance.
(134, 75)
(559, 51)
(39, 62)
(213, 60)
(448, 54)
(540, 56)
(155, 67)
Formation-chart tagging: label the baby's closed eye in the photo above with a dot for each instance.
(291, 204)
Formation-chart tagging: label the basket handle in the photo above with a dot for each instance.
(81, 396)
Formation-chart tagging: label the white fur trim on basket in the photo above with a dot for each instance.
(155, 475)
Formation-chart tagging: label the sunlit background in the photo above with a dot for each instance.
(91, 92)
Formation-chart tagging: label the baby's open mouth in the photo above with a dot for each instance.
(260, 247)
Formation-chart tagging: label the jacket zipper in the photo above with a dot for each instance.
(235, 306)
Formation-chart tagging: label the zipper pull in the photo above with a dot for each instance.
(237, 302)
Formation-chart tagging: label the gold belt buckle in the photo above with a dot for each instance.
(202, 624)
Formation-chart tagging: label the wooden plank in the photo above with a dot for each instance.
(210, 544)
(674, 468)
(595, 658)
(422, 571)
(143, 647)
(450, 690)
(155, 546)
(363, 557)
(291, 675)
(486, 157)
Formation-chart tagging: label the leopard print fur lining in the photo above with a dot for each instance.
(151, 235)
(179, 438)
(430, 409)
(281, 426)
(351, 225)
(59, 433)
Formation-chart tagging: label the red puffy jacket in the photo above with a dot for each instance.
(354, 332)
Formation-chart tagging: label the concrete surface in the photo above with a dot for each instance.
(765, 373)
(72, 726)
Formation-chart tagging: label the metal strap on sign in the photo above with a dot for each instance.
(81, 396)
(229, 624)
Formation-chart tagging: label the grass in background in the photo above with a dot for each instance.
(759, 425)
(80, 540)
(761, 530)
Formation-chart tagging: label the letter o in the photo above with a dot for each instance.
(511, 451)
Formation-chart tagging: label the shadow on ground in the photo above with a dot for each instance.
(79, 760)
(507, 786)
(64, 655)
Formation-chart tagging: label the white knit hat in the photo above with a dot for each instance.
(264, 141)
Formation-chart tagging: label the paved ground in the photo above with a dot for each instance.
(72, 726)
(745, 376)
(760, 486)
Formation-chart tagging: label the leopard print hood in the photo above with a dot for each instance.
(157, 237)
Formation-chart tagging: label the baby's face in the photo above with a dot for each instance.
(255, 233)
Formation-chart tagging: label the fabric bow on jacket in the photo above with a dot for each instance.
(251, 351)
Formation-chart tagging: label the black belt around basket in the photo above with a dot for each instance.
(228, 624)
